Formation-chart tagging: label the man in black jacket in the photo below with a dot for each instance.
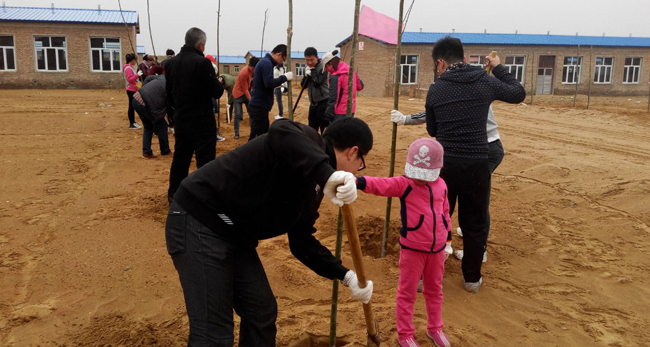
(264, 86)
(318, 91)
(272, 185)
(191, 85)
(456, 109)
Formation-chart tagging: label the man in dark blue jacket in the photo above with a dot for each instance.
(457, 109)
(191, 85)
(264, 85)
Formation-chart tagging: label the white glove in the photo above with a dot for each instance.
(140, 73)
(357, 293)
(341, 188)
(397, 117)
(282, 89)
(307, 71)
(289, 75)
(448, 250)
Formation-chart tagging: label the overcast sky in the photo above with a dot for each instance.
(323, 24)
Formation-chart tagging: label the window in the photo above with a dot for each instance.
(226, 69)
(516, 66)
(409, 67)
(7, 54)
(477, 60)
(105, 54)
(236, 68)
(51, 53)
(603, 71)
(632, 70)
(571, 70)
(300, 69)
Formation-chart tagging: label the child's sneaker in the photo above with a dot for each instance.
(459, 232)
(439, 338)
(408, 342)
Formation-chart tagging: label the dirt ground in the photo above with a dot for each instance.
(83, 260)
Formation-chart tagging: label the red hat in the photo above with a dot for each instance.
(212, 59)
(424, 159)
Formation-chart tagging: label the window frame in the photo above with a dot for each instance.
(4, 54)
(236, 69)
(100, 50)
(637, 67)
(410, 66)
(300, 69)
(597, 69)
(480, 58)
(64, 48)
(515, 65)
(578, 72)
(226, 67)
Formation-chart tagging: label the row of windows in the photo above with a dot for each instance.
(516, 65)
(51, 53)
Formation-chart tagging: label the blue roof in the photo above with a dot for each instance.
(524, 39)
(294, 54)
(67, 15)
(141, 50)
(231, 59)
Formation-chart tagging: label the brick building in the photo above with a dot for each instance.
(64, 48)
(231, 64)
(545, 64)
(297, 60)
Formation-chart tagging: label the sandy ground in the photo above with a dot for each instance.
(83, 259)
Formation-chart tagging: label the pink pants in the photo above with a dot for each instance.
(412, 265)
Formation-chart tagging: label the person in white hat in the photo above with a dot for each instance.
(338, 95)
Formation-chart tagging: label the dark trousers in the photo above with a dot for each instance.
(259, 121)
(495, 156)
(338, 116)
(239, 112)
(159, 127)
(205, 147)
(468, 181)
(217, 277)
(316, 118)
(131, 111)
(170, 116)
(278, 98)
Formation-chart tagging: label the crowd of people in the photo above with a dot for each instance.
(274, 184)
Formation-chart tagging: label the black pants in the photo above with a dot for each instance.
(218, 277)
(495, 156)
(159, 128)
(131, 111)
(259, 121)
(170, 116)
(205, 147)
(316, 118)
(468, 181)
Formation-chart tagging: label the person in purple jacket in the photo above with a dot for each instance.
(425, 236)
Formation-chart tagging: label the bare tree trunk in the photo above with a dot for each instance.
(217, 59)
(289, 34)
(266, 18)
(355, 42)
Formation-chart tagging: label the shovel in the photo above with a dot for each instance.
(355, 248)
(488, 68)
(299, 95)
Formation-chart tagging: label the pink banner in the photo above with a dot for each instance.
(377, 26)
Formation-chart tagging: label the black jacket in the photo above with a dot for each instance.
(165, 63)
(264, 83)
(270, 186)
(457, 107)
(191, 85)
(318, 87)
(154, 96)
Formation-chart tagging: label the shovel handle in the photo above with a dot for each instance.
(489, 68)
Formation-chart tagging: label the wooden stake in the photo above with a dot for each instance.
(578, 61)
(591, 51)
(355, 42)
(335, 282)
(532, 80)
(266, 18)
(398, 80)
(217, 59)
(289, 34)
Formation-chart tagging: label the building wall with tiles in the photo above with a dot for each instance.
(78, 73)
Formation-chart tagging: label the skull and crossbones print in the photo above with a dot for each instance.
(422, 157)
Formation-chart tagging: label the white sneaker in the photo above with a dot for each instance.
(459, 254)
(420, 286)
(473, 287)
(459, 232)
(135, 126)
(220, 138)
(278, 117)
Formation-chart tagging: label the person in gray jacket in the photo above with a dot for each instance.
(316, 81)
(150, 102)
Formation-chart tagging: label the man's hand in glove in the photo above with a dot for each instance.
(357, 293)
(341, 188)
(397, 117)
(307, 71)
(289, 75)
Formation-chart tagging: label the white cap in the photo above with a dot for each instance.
(327, 57)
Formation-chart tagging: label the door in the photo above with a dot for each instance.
(545, 74)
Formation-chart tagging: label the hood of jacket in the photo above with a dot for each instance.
(463, 74)
(343, 69)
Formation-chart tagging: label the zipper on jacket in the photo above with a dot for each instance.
(433, 212)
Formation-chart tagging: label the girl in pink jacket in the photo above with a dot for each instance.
(131, 78)
(425, 236)
(338, 84)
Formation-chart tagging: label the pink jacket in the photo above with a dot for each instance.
(426, 225)
(338, 101)
(131, 77)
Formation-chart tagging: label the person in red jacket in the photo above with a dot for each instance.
(241, 92)
(338, 98)
(425, 236)
(131, 78)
